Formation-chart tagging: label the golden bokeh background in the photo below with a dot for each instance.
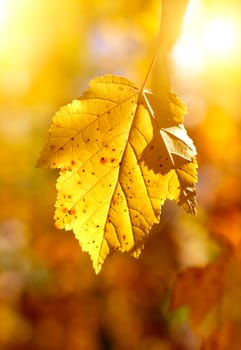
(50, 298)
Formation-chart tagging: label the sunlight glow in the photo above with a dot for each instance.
(207, 39)
(189, 56)
(3, 12)
(220, 36)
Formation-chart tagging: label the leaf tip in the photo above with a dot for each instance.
(97, 268)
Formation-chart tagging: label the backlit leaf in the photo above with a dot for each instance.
(120, 157)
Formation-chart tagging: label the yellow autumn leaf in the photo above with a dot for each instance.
(120, 157)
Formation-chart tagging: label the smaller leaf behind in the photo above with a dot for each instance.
(175, 147)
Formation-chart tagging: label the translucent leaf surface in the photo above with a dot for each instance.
(119, 159)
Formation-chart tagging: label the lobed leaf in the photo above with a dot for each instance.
(119, 160)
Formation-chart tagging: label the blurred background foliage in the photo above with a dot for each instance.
(50, 298)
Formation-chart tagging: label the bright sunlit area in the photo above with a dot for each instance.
(3, 11)
(209, 39)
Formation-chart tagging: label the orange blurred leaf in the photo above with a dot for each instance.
(201, 287)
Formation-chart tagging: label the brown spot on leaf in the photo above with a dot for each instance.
(72, 211)
(103, 160)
